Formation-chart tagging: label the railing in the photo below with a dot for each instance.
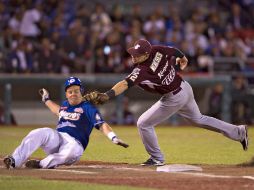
(106, 80)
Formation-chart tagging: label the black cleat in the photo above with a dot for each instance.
(245, 141)
(9, 162)
(152, 162)
(33, 164)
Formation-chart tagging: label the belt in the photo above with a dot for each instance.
(177, 90)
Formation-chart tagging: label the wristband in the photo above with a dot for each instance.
(111, 135)
(111, 93)
(46, 99)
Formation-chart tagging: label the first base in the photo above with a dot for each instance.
(178, 168)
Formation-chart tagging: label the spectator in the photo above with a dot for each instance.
(48, 60)
(15, 21)
(155, 26)
(30, 21)
(20, 59)
(100, 21)
(241, 112)
(128, 116)
(238, 19)
(215, 101)
(208, 30)
(83, 14)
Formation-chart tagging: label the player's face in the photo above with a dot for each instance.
(139, 59)
(73, 95)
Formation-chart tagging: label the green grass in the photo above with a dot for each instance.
(185, 145)
(24, 183)
(179, 145)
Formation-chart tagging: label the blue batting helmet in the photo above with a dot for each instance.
(73, 81)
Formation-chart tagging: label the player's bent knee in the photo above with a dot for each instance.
(142, 123)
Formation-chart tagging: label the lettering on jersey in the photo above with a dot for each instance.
(65, 124)
(156, 60)
(63, 108)
(78, 110)
(170, 77)
(161, 73)
(69, 116)
(97, 117)
(134, 75)
(149, 84)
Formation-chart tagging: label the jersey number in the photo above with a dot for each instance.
(134, 74)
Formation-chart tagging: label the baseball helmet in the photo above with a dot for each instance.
(73, 81)
(140, 47)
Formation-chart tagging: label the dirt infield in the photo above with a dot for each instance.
(212, 177)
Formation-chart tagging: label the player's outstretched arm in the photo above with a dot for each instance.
(107, 130)
(48, 102)
(120, 87)
(100, 98)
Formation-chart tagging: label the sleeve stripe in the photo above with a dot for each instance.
(100, 122)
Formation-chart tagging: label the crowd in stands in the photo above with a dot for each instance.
(52, 36)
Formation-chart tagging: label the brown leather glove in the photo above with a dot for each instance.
(96, 97)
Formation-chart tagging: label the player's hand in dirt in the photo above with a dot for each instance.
(44, 95)
(119, 142)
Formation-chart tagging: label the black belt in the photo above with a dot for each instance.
(177, 90)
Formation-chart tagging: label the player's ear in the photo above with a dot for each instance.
(82, 90)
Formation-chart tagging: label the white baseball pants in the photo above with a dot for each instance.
(185, 105)
(60, 148)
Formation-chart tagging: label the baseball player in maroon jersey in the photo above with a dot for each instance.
(155, 72)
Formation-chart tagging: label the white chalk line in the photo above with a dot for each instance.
(139, 169)
(248, 177)
(116, 168)
(215, 176)
(108, 167)
(68, 171)
(60, 170)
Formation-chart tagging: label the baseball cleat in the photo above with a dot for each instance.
(152, 162)
(245, 141)
(33, 164)
(9, 162)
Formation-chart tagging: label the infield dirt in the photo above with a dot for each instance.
(212, 177)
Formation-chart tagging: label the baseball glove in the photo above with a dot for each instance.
(96, 97)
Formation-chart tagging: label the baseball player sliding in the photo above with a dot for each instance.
(154, 72)
(65, 144)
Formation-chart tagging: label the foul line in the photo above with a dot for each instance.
(214, 176)
(144, 170)
(138, 169)
(68, 171)
(117, 168)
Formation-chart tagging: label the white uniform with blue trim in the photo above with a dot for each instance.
(66, 144)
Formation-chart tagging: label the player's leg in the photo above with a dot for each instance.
(35, 139)
(160, 111)
(69, 152)
(191, 112)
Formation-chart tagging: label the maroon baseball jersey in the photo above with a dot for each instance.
(157, 74)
